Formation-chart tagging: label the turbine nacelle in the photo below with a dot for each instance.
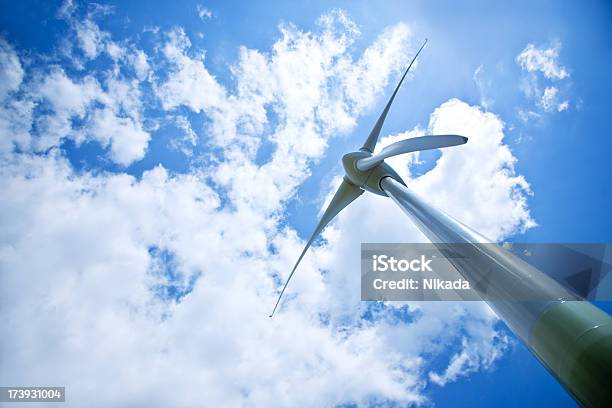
(368, 179)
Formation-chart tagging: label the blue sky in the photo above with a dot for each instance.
(111, 162)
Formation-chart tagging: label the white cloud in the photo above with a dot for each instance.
(117, 124)
(64, 95)
(102, 241)
(190, 83)
(542, 65)
(527, 115)
(15, 125)
(370, 74)
(549, 98)
(141, 64)
(108, 244)
(67, 99)
(66, 9)
(473, 357)
(484, 87)
(90, 38)
(563, 106)
(189, 138)
(297, 81)
(203, 12)
(11, 72)
(114, 50)
(493, 198)
(544, 60)
(127, 140)
(15, 115)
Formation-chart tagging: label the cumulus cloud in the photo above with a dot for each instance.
(159, 286)
(126, 138)
(493, 197)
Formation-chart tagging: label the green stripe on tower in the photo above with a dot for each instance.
(574, 340)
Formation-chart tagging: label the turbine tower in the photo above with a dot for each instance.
(570, 336)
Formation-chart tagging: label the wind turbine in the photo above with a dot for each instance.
(571, 337)
(365, 170)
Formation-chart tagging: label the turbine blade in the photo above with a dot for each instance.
(370, 142)
(413, 144)
(346, 194)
